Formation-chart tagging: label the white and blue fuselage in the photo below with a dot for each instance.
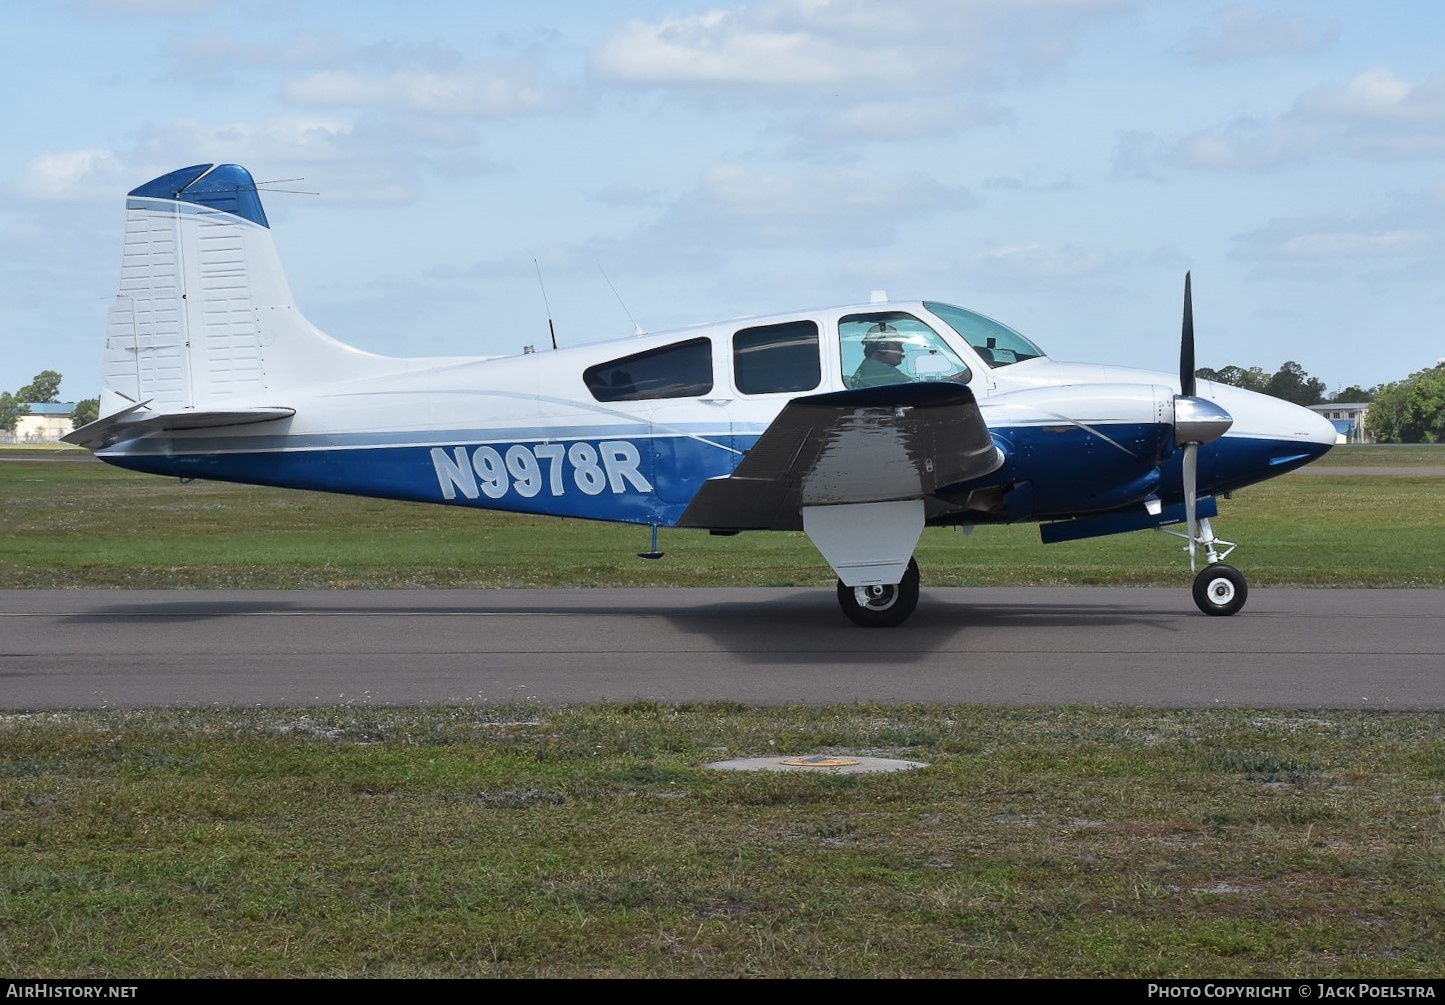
(524, 434)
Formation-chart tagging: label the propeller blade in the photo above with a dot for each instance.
(1191, 461)
(1186, 346)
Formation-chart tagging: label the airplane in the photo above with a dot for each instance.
(858, 424)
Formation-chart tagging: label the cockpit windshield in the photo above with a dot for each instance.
(998, 344)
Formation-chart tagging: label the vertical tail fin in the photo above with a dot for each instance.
(204, 318)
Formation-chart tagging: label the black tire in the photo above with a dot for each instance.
(881, 606)
(1220, 590)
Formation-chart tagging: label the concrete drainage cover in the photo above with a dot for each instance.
(832, 765)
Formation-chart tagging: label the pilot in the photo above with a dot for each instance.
(882, 353)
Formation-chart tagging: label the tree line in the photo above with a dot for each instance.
(44, 389)
(1289, 382)
(1405, 411)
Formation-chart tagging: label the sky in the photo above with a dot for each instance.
(444, 178)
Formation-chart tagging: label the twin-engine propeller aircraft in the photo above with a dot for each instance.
(858, 425)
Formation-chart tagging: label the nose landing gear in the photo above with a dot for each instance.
(1219, 590)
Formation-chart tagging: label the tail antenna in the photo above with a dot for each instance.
(636, 328)
(261, 186)
(545, 304)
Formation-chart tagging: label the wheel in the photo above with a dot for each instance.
(1220, 589)
(881, 606)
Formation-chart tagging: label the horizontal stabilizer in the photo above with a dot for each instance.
(137, 420)
(878, 444)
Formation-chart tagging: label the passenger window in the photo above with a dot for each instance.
(782, 357)
(674, 371)
(892, 347)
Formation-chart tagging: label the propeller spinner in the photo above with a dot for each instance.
(1196, 420)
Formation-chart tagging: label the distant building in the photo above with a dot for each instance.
(46, 422)
(1349, 420)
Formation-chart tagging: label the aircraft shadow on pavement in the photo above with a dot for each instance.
(808, 626)
(802, 626)
(801, 609)
(181, 611)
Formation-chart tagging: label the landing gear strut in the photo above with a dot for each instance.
(881, 606)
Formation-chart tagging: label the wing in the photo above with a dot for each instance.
(880, 444)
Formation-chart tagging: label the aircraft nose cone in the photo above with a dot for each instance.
(1318, 429)
(1266, 417)
(1302, 434)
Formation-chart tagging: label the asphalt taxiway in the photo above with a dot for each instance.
(1300, 649)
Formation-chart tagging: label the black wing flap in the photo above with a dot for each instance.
(876, 444)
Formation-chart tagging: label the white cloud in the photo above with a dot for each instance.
(851, 46)
(1242, 32)
(295, 138)
(76, 174)
(1248, 144)
(1403, 244)
(1380, 94)
(718, 47)
(1377, 116)
(330, 72)
(473, 91)
(1033, 261)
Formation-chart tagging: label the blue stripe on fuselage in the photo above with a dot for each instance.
(608, 478)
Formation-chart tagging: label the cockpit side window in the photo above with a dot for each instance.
(781, 357)
(998, 344)
(894, 347)
(682, 370)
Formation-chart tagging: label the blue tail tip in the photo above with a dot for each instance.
(226, 188)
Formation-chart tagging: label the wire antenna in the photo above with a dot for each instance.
(545, 304)
(636, 328)
(261, 186)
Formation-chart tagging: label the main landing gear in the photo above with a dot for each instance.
(881, 606)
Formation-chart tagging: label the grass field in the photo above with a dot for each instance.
(526, 842)
(596, 842)
(1383, 455)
